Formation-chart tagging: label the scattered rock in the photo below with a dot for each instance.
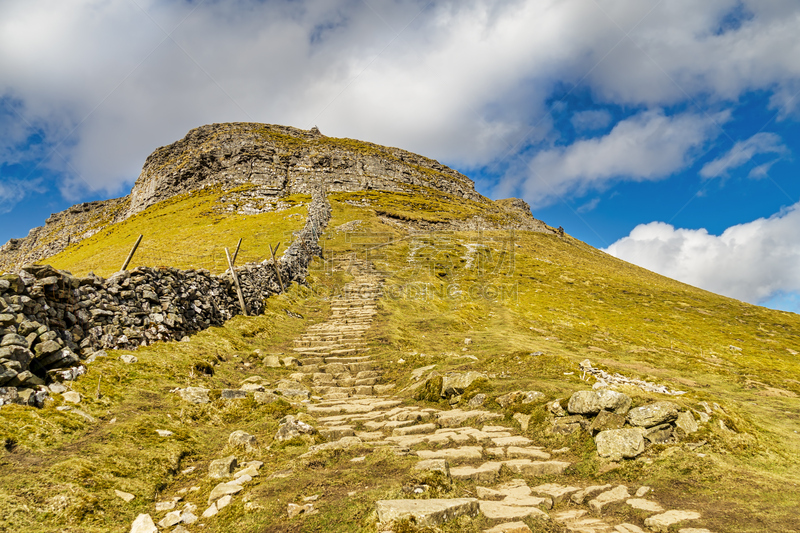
(71, 397)
(523, 420)
(661, 522)
(477, 401)
(222, 468)
(223, 489)
(555, 408)
(172, 518)
(290, 428)
(456, 383)
(125, 496)
(195, 395)
(615, 495)
(509, 527)
(143, 524)
(642, 491)
(128, 358)
(263, 398)
(645, 505)
(164, 433)
(580, 496)
(241, 439)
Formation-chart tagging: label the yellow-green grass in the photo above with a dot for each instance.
(557, 296)
(188, 231)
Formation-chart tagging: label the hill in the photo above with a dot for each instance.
(435, 324)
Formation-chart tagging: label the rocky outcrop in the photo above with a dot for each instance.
(276, 160)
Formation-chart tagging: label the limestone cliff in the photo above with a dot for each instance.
(278, 160)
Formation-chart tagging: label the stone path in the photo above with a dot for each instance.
(352, 408)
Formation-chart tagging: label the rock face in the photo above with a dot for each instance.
(278, 160)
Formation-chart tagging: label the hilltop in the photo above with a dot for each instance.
(439, 352)
(260, 165)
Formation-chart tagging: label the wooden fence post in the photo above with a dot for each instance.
(133, 251)
(237, 251)
(236, 282)
(275, 264)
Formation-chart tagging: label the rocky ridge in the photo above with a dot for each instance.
(274, 161)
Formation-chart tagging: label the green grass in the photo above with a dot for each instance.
(535, 293)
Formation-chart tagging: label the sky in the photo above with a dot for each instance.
(663, 132)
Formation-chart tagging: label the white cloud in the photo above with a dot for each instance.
(744, 151)
(591, 119)
(459, 81)
(751, 262)
(645, 147)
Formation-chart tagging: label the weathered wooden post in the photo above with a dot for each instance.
(133, 251)
(238, 245)
(236, 283)
(275, 265)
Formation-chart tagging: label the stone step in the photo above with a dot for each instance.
(311, 361)
(317, 349)
(347, 360)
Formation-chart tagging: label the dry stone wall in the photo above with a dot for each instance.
(51, 320)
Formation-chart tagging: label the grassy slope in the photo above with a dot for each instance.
(558, 296)
(188, 231)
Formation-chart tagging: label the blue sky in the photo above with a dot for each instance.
(663, 132)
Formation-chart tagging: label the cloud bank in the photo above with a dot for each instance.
(754, 262)
(95, 85)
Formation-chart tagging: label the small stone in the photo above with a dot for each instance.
(615, 495)
(125, 496)
(164, 433)
(165, 506)
(555, 408)
(143, 524)
(488, 494)
(244, 440)
(523, 420)
(645, 505)
(588, 492)
(477, 400)
(607, 420)
(293, 510)
(171, 519)
(57, 388)
(223, 489)
(263, 398)
(222, 468)
(509, 527)
(642, 491)
(211, 511)
(290, 428)
(224, 502)
(128, 358)
(661, 522)
(71, 397)
(272, 361)
(434, 465)
(196, 395)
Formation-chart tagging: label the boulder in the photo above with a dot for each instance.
(456, 383)
(653, 414)
(658, 434)
(686, 423)
(607, 420)
(619, 443)
(593, 401)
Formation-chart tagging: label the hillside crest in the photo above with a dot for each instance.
(275, 161)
